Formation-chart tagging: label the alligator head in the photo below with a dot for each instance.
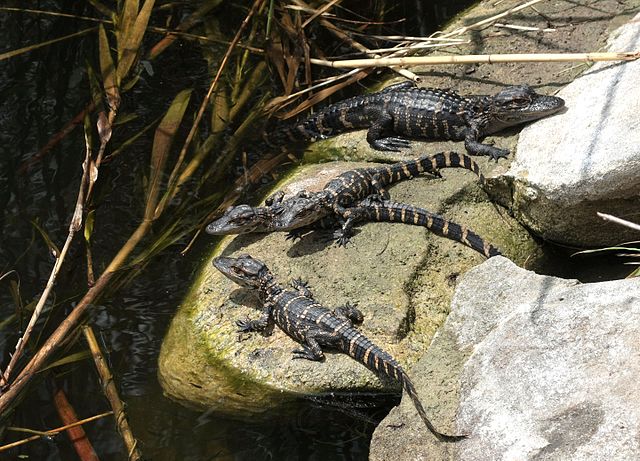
(243, 270)
(243, 219)
(302, 210)
(519, 104)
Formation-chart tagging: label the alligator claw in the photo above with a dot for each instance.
(300, 284)
(496, 153)
(244, 325)
(343, 240)
(391, 144)
(294, 235)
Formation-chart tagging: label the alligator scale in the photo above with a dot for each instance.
(314, 326)
(405, 110)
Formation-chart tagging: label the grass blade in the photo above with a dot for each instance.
(161, 145)
(129, 50)
(108, 69)
(27, 49)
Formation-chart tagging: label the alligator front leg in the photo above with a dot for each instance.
(302, 287)
(477, 148)
(382, 122)
(262, 325)
(298, 233)
(328, 222)
(349, 217)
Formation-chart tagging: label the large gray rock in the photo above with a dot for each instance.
(542, 368)
(571, 165)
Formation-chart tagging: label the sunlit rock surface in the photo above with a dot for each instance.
(540, 368)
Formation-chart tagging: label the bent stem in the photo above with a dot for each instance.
(50, 433)
(76, 222)
(110, 391)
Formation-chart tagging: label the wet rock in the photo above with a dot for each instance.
(539, 368)
(587, 159)
(401, 276)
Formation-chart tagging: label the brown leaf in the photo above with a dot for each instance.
(104, 128)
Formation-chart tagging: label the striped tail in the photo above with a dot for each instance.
(375, 359)
(409, 214)
(428, 164)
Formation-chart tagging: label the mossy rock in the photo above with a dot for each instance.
(401, 276)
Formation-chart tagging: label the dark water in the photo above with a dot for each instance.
(39, 93)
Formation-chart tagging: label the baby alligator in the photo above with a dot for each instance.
(341, 192)
(374, 210)
(314, 326)
(407, 111)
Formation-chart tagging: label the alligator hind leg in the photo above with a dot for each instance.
(310, 351)
(381, 192)
(382, 122)
(262, 325)
(349, 312)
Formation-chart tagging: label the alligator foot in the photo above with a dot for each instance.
(295, 234)
(302, 287)
(496, 153)
(343, 239)
(247, 325)
(391, 144)
(350, 312)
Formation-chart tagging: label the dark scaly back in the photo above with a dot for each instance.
(292, 309)
(430, 113)
(342, 116)
(408, 214)
(359, 347)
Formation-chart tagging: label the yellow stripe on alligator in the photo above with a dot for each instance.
(465, 235)
(365, 357)
(352, 346)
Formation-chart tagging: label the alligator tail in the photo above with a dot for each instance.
(408, 214)
(377, 360)
(407, 384)
(428, 164)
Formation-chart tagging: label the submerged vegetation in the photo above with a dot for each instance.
(172, 149)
